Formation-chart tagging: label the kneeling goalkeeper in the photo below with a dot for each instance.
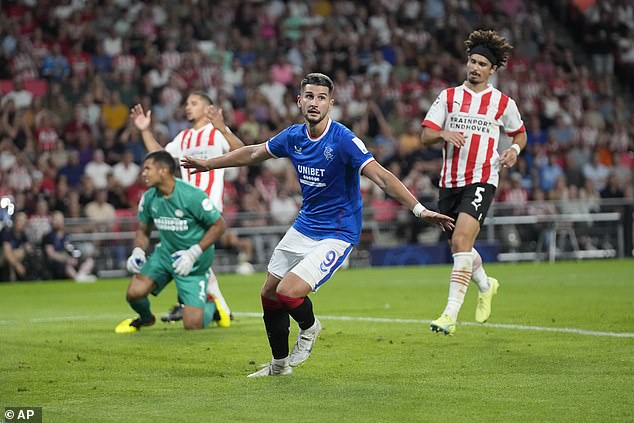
(188, 226)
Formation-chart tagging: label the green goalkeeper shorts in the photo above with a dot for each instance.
(192, 289)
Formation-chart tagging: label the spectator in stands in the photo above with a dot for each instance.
(46, 135)
(55, 66)
(515, 194)
(101, 61)
(59, 155)
(79, 60)
(596, 172)
(561, 133)
(114, 113)
(267, 185)
(116, 193)
(22, 98)
(63, 259)
(16, 248)
(90, 110)
(613, 188)
(543, 209)
(13, 124)
(57, 104)
(97, 169)
(602, 39)
(126, 172)
(100, 212)
(548, 173)
(283, 208)
(534, 132)
(134, 192)
(112, 42)
(73, 170)
(7, 154)
(21, 176)
(39, 223)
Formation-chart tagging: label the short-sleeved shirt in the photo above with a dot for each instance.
(16, 240)
(328, 169)
(203, 143)
(181, 219)
(479, 117)
(59, 242)
(56, 240)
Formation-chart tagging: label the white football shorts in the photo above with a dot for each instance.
(313, 261)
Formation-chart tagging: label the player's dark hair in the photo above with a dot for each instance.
(162, 158)
(489, 44)
(318, 79)
(202, 95)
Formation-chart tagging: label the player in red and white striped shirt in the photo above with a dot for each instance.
(204, 141)
(468, 120)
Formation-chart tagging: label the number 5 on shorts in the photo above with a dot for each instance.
(477, 201)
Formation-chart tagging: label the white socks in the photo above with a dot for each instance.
(459, 282)
(479, 276)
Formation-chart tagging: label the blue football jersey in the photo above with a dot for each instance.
(328, 169)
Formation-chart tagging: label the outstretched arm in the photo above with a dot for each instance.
(143, 122)
(395, 189)
(244, 156)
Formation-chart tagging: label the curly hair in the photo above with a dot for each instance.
(491, 40)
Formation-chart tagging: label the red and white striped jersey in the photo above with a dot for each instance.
(203, 143)
(479, 117)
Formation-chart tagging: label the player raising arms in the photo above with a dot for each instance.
(468, 120)
(328, 159)
(188, 226)
(203, 140)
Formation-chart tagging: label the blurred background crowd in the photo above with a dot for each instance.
(70, 71)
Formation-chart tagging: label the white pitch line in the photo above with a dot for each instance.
(491, 325)
(350, 319)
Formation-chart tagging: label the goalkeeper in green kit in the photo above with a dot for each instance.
(188, 226)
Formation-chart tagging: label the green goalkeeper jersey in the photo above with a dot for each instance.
(181, 219)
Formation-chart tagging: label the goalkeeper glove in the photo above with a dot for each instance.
(136, 260)
(184, 259)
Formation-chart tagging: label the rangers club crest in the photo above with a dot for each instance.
(328, 153)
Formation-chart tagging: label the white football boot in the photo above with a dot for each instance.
(304, 344)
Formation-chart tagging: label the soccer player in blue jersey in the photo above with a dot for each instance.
(328, 158)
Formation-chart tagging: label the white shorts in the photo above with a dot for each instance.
(313, 261)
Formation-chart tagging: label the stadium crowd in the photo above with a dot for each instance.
(70, 71)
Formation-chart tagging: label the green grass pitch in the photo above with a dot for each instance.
(58, 350)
